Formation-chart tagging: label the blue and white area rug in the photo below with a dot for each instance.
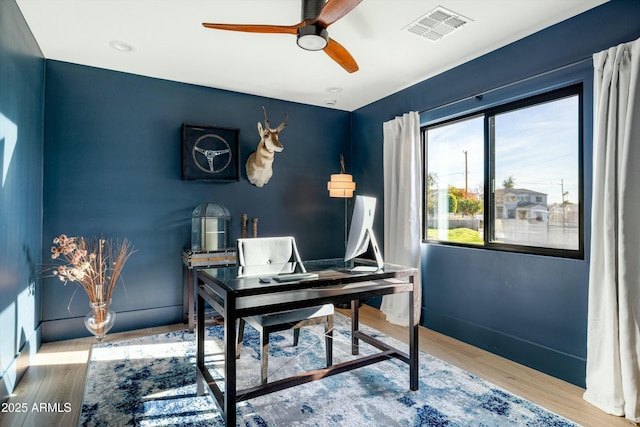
(150, 381)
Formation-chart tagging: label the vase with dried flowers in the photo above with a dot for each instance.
(95, 265)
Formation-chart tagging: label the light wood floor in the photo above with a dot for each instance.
(57, 375)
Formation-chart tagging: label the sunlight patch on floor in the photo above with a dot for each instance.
(61, 358)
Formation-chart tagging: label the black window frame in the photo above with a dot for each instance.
(489, 174)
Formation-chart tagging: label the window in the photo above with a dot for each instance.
(509, 177)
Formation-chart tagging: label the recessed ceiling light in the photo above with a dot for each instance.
(121, 46)
(334, 89)
(330, 102)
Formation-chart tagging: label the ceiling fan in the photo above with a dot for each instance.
(311, 31)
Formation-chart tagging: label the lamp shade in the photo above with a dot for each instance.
(341, 185)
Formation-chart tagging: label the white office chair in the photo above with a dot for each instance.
(269, 256)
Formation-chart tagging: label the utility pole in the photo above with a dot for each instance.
(466, 175)
(564, 205)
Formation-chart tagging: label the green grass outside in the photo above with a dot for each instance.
(458, 235)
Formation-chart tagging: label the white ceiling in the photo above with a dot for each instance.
(170, 43)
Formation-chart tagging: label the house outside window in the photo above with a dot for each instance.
(508, 178)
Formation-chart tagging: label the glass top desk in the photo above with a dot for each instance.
(235, 297)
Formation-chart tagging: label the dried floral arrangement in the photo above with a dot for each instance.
(95, 264)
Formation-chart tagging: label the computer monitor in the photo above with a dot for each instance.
(361, 236)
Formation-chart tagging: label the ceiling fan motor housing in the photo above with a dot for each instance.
(312, 36)
(311, 9)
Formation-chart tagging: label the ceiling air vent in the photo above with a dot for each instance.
(437, 24)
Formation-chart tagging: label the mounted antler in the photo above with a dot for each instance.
(280, 126)
(259, 164)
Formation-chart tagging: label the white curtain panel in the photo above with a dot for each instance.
(613, 333)
(402, 207)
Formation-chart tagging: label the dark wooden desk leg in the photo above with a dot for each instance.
(192, 285)
(229, 360)
(185, 294)
(200, 346)
(328, 342)
(355, 342)
(413, 339)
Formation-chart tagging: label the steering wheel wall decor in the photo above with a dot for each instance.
(210, 153)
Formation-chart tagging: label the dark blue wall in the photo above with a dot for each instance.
(113, 166)
(530, 309)
(21, 111)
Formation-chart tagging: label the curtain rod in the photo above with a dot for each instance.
(504, 86)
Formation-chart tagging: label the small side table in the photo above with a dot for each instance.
(193, 260)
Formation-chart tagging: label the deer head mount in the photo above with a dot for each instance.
(259, 164)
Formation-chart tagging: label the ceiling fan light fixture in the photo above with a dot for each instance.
(312, 37)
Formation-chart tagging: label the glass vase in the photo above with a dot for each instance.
(100, 319)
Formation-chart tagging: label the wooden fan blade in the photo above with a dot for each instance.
(338, 53)
(273, 29)
(334, 10)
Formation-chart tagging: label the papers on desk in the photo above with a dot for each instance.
(364, 269)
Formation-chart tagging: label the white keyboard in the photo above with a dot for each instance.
(294, 277)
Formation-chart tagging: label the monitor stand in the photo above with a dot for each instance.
(373, 247)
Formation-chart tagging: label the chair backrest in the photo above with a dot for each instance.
(268, 255)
